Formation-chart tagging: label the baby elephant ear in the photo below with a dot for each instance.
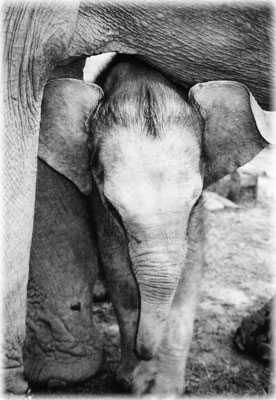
(235, 128)
(66, 106)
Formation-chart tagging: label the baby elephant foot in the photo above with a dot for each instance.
(124, 373)
(150, 377)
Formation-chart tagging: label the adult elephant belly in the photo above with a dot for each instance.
(189, 43)
(62, 344)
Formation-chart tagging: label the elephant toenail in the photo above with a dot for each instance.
(29, 394)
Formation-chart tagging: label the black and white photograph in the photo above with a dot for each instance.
(138, 199)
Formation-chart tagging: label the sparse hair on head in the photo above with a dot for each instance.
(138, 95)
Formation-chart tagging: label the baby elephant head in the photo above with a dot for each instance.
(154, 149)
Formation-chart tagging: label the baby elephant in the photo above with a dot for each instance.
(154, 148)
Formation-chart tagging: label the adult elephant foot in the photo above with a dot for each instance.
(56, 355)
(12, 341)
(63, 371)
(62, 344)
(14, 381)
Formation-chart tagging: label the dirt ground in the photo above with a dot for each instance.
(238, 278)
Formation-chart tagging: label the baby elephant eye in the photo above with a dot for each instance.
(115, 213)
(197, 201)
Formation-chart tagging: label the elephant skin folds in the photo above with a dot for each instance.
(36, 39)
(62, 344)
(39, 36)
(226, 37)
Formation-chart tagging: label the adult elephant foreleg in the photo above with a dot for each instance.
(19, 181)
(62, 344)
(36, 38)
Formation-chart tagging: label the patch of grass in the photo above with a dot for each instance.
(226, 379)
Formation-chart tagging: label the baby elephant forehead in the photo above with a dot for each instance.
(159, 106)
(132, 150)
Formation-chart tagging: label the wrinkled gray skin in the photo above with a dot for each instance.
(62, 344)
(190, 44)
(154, 148)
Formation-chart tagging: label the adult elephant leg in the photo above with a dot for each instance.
(19, 194)
(165, 373)
(36, 38)
(62, 344)
(113, 253)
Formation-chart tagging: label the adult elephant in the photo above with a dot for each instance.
(189, 43)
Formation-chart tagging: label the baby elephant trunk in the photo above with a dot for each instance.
(157, 275)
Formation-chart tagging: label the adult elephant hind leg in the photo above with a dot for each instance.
(62, 344)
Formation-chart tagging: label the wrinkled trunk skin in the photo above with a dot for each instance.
(62, 344)
(165, 373)
(157, 266)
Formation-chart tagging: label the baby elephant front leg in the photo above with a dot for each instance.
(122, 287)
